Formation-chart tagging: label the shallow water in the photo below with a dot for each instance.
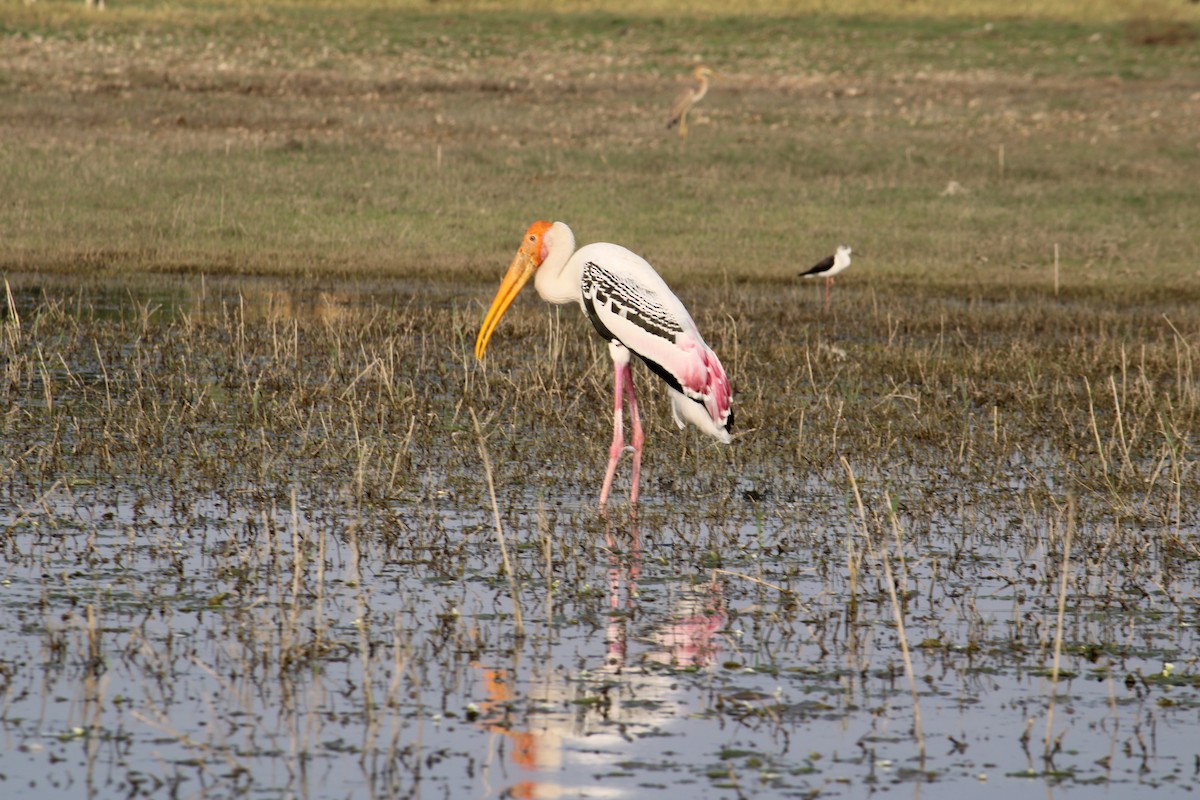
(199, 597)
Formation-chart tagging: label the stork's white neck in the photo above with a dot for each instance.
(558, 279)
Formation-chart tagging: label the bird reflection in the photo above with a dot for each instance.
(544, 713)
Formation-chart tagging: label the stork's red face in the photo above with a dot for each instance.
(528, 258)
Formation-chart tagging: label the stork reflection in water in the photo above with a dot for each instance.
(554, 721)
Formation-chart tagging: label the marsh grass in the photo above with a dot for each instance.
(315, 449)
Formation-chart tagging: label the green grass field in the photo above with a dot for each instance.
(311, 138)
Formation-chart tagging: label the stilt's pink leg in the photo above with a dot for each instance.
(828, 283)
(638, 436)
(618, 440)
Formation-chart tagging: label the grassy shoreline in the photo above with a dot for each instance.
(316, 140)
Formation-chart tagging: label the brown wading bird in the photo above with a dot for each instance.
(688, 98)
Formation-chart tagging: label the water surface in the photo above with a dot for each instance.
(249, 551)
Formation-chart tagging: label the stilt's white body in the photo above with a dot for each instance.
(828, 267)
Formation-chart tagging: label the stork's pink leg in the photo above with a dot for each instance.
(620, 374)
(638, 437)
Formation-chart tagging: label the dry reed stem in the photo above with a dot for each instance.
(319, 604)
(94, 657)
(1048, 743)
(363, 623)
(1056, 269)
(548, 554)
(752, 579)
(518, 619)
(854, 564)
(289, 648)
(14, 319)
(898, 615)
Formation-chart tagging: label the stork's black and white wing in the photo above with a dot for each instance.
(628, 302)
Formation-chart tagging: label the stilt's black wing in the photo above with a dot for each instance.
(822, 266)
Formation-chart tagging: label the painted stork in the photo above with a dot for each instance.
(688, 98)
(632, 308)
(828, 267)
